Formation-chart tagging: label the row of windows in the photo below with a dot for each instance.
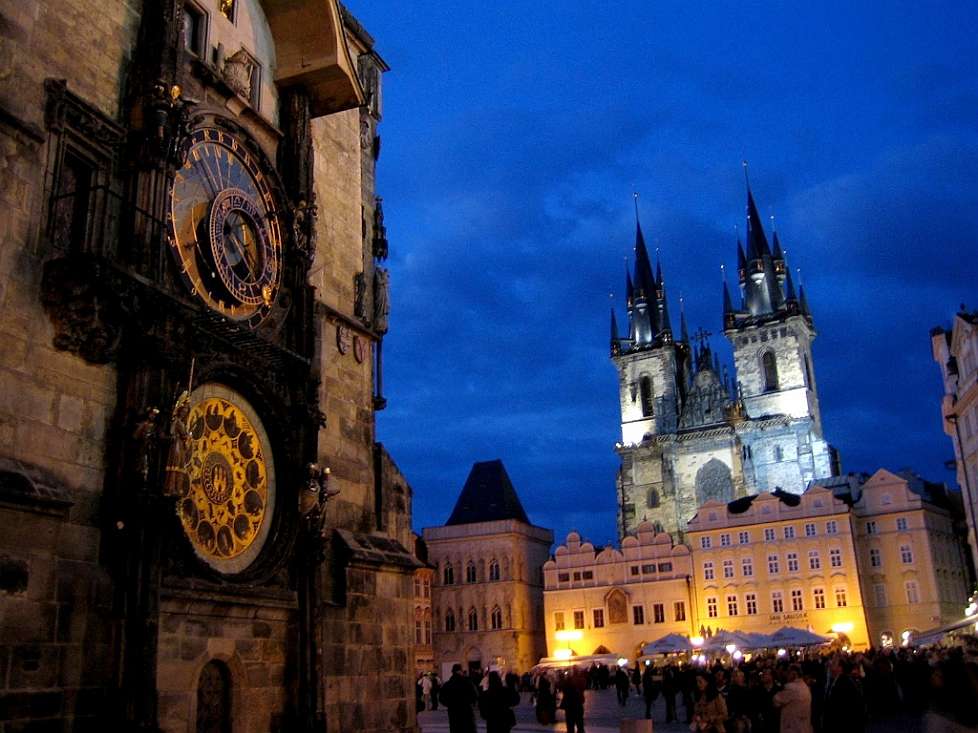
(872, 526)
(795, 598)
(648, 569)
(472, 620)
(422, 588)
(876, 558)
(471, 576)
(658, 616)
(770, 534)
(577, 575)
(422, 631)
(910, 590)
(773, 564)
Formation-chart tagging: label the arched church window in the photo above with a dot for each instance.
(808, 372)
(770, 367)
(473, 620)
(214, 698)
(448, 575)
(645, 387)
(653, 498)
(493, 569)
(470, 572)
(496, 619)
(450, 620)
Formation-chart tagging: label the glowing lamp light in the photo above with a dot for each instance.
(782, 652)
(731, 648)
(568, 635)
(622, 662)
(738, 655)
(905, 636)
(843, 628)
(562, 654)
(972, 609)
(696, 641)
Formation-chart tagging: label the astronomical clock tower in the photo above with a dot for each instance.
(204, 534)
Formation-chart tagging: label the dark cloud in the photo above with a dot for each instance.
(513, 139)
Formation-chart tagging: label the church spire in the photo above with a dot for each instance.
(615, 340)
(683, 330)
(728, 309)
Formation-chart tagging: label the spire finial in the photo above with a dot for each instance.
(635, 196)
(746, 177)
(723, 272)
(773, 227)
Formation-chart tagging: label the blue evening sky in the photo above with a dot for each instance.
(514, 135)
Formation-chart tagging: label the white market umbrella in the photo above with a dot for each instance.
(791, 636)
(668, 644)
(723, 639)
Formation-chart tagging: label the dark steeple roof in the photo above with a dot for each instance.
(488, 496)
(644, 280)
(615, 340)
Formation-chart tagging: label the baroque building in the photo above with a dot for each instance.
(200, 530)
(488, 585)
(691, 431)
(956, 353)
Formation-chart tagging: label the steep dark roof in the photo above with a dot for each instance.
(488, 496)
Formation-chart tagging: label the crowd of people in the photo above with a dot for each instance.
(799, 692)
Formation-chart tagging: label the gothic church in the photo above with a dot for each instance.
(692, 432)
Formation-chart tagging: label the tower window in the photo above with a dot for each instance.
(645, 386)
(769, 364)
(808, 372)
(194, 28)
(653, 498)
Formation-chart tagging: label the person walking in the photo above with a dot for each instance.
(572, 700)
(738, 703)
(710, 710)
(764, 717)
(435, 689)
(843, 705)
(795, 702)
(669, 685)
(496, 705)
(650, 689)
(546, 707)
(621, 686)
(459, 696)
(425, 683)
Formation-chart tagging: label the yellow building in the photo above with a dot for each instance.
(775, 560)
(611, 600)
(911, 563)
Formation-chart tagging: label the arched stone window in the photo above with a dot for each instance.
(645, 388)
(494, 569)
(214, 698)
(473, 620)
(470, 576)
(417, 625)
(769, 366)
(496, 618)
(654, 499)
(448, 574)
(449, 620)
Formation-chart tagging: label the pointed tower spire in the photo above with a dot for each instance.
(615, 340)
(802, 300)
(789, 284)
(683, 330)
(741, 262)
(629, 287)
(728, 309)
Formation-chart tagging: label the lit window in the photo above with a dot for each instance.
(747, 567)
(796, 601)
(728, 569)
(493, 570)
(658, 613)
(840, 597)
(705, 543)
(789, 532)
(871, 527)
(835, 558)
(874, 558)
(814, 561)
(744, 538)
(902, 524)
(831, 527)
(599, 618)
(819, 596)
(777, 602)
(750, 600)
(679, 610)
(769, 534)
(711, 607)
(792, 562)
(578, 619)
(906, 554)
(638, 615)
(496, 619)
(810, 529)
(912, 595)
(731, 605)
(708, 571)
(559, 621)
(773, 567)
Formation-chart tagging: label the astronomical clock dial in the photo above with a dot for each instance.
(224, 229)
(227, 511)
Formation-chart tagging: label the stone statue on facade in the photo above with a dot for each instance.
(313, 498)
(176, 480)
(144, 438)
(382, 306)
(237, 72)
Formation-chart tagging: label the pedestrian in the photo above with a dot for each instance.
(572, 700)
(496, 705)
(425, 683)
(738, 703)
(435, 689)
(459, 696)
(710, 710)
(637, 679)
(621, 686)
(650, 689)
(546, 707)
(669, 686)
(795, 702)
(843, 707)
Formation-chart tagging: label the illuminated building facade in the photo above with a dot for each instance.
(614, 600)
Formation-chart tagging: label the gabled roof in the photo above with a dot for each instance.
(488, 496)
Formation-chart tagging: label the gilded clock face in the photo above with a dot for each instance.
(224, 228)
(226, 513)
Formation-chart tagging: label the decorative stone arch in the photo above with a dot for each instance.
(237, 691)
(768, 362)
(714, 482)
(496, 618)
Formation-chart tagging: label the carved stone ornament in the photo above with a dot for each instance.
(359, 350)
(382, 306)
(237, 72)
(304, 227)
(343, 338)
(380, 247)
(64, 110)
(360, 296)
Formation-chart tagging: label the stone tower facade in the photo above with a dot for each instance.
(692, 431)
(194, 300)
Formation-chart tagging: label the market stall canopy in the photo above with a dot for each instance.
(668, 644)
(722, 639)
(933, 636)
(611, 660)
(756, 640)
(791, 636)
